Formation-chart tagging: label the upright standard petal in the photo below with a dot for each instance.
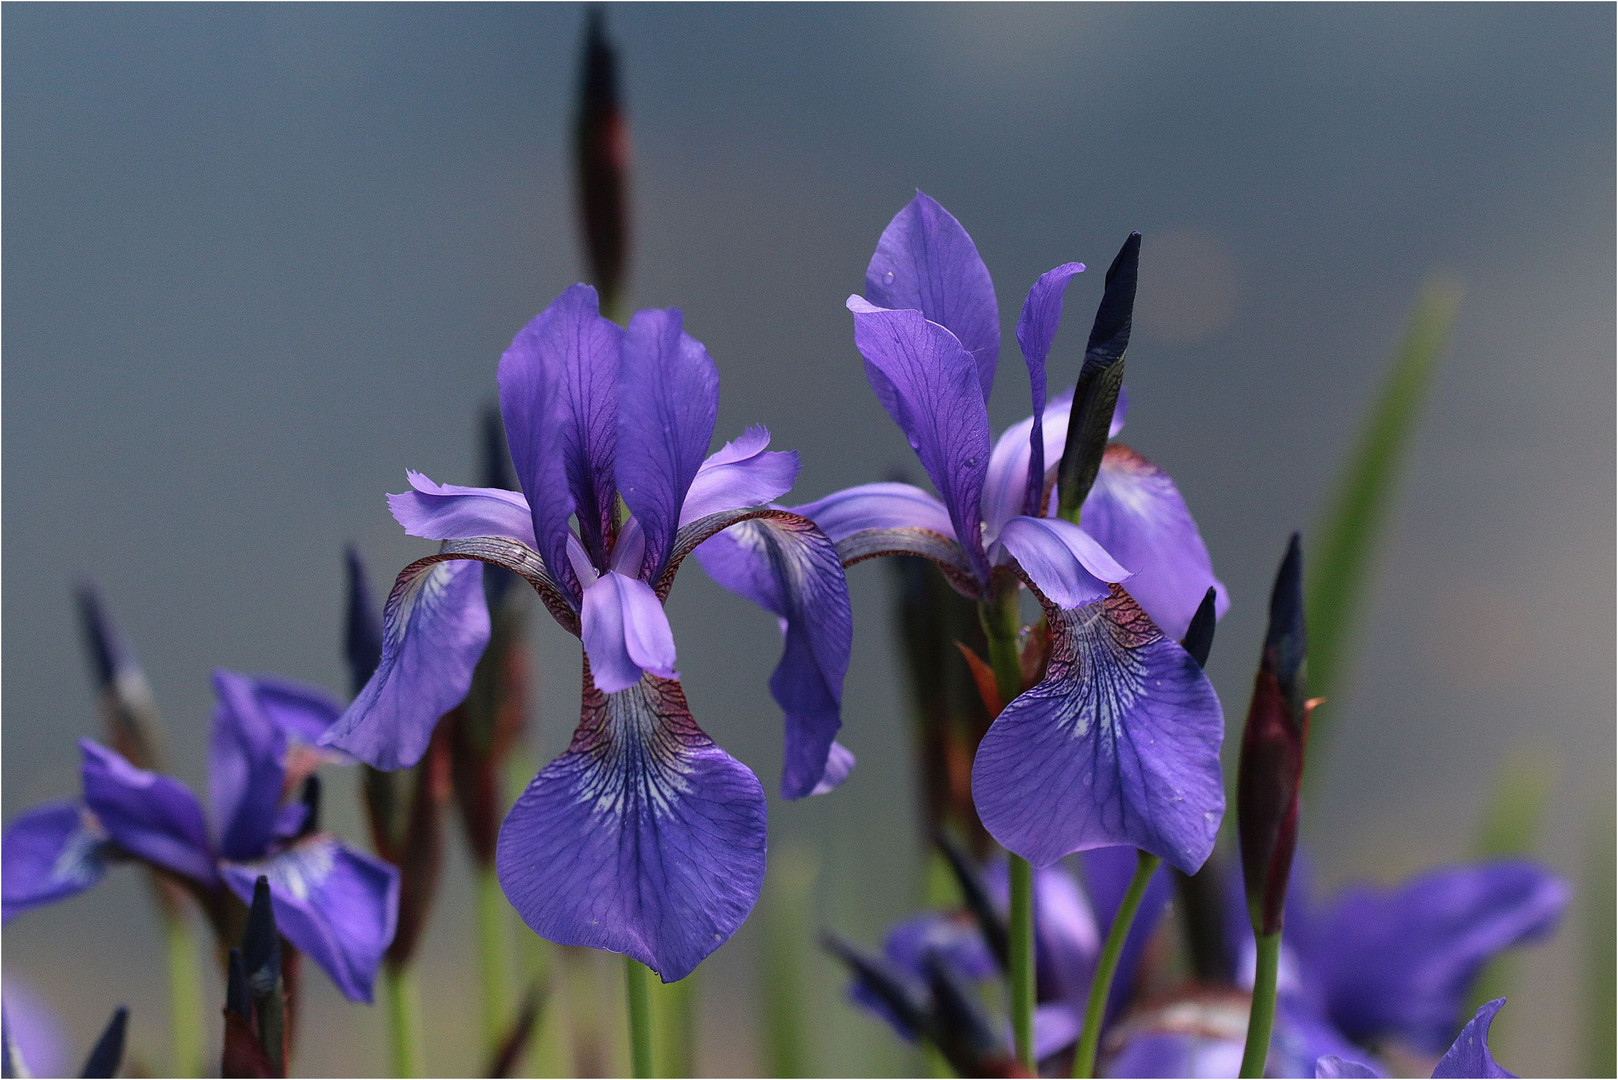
(925, 261)
(666, 413)
(336, 904)
(788, 566)
(302, 711)
(743, 472)
(452, 512)
(1399, 962)
(926, 381)
(1136, 513)
(1118, 745)
(246, 768)
(1036, 329)
(151, 816)
(48, 854)
(1063, 561)
(625, 632)
(434, 628)
(644, 838)
(1469, 1055)
(559, 400)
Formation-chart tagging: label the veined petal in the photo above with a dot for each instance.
(434, 629)
(644, 838)
(666, 413)
(878, 506)
(1118, 745)
(926, 380)
(926, 261)
(151, 816)
(452, 512)
(1063, 560)
(1400, 961)
(1136, 513)
(246, 768)
(1007, 483)
(788, 566)
(559, 400)
(1469, 1055)
(1036, 329)
(740, 473)
(338, 905)
(625, 632)
(48, 854)
(1335, 1067)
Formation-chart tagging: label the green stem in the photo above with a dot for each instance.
(1261, 1020)
(402, 999)
(639, 981)
(677, 1033)
(494, 967)
(1022, 960)
(1001, 621)
(1095, 1009)
(185, 994)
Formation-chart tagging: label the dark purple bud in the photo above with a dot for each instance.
(261, 944)
(909, 1003)
(1198, 640)
(962, 1030)
(518, 1034)
(990, 923)
(421, 849)
(601, 143)
(126, 697)
(362, 629)
(108, 1054)
(238, 995)
(1271, 769)
(1102, 376)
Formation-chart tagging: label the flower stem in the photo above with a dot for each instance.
(402, 998)
(1022, 960)
(1095, 1009)
(676, 1013)
(185, 994)
(1261, 1021)
(493, 960)
(639, 981)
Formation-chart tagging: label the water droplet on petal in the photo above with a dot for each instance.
(887, 277)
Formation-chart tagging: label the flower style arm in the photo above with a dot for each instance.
(50, 853)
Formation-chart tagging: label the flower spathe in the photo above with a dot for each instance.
(644, 837)
(335, 903)
(1119, 744)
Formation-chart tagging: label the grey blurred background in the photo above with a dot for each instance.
(260, 260)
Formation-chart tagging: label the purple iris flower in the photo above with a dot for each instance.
(1468, 1055)
(1370, 967)
(1119, 744)
(644, 837)
(336, 904)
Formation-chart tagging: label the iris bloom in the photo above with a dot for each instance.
(336, 904)
(1373, 967)
(644, 837)
(1119, 744)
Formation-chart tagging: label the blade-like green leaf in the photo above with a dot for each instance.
(1343, 547)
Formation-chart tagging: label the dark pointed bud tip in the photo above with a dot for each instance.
(238, 994)
(108, 1054)
(261, 945)
(976, 897)
(965, 1033)
(1198, 640)
(1286, 641)
(910, 1003)
(100, 636)
(1109, 335)
(362, 628)
(602, 146)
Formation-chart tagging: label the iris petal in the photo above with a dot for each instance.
(878, 506)
(49, 853)
(1136, 513)
(644, 838)
(926, 261)
(666, 416)
(740, 473)
(434, 629)
(625, 632)
(791, 568)
(338, 905)
(926, 380)
(151, 816)
(1061, 559)
(1469, 1054)
(1036, 329)
(452, 512)
(1118, 745)
(246, 768)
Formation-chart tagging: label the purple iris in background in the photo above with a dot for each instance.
(1119, 743)
(1374, 967)
(644, 837)
(336, 904)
